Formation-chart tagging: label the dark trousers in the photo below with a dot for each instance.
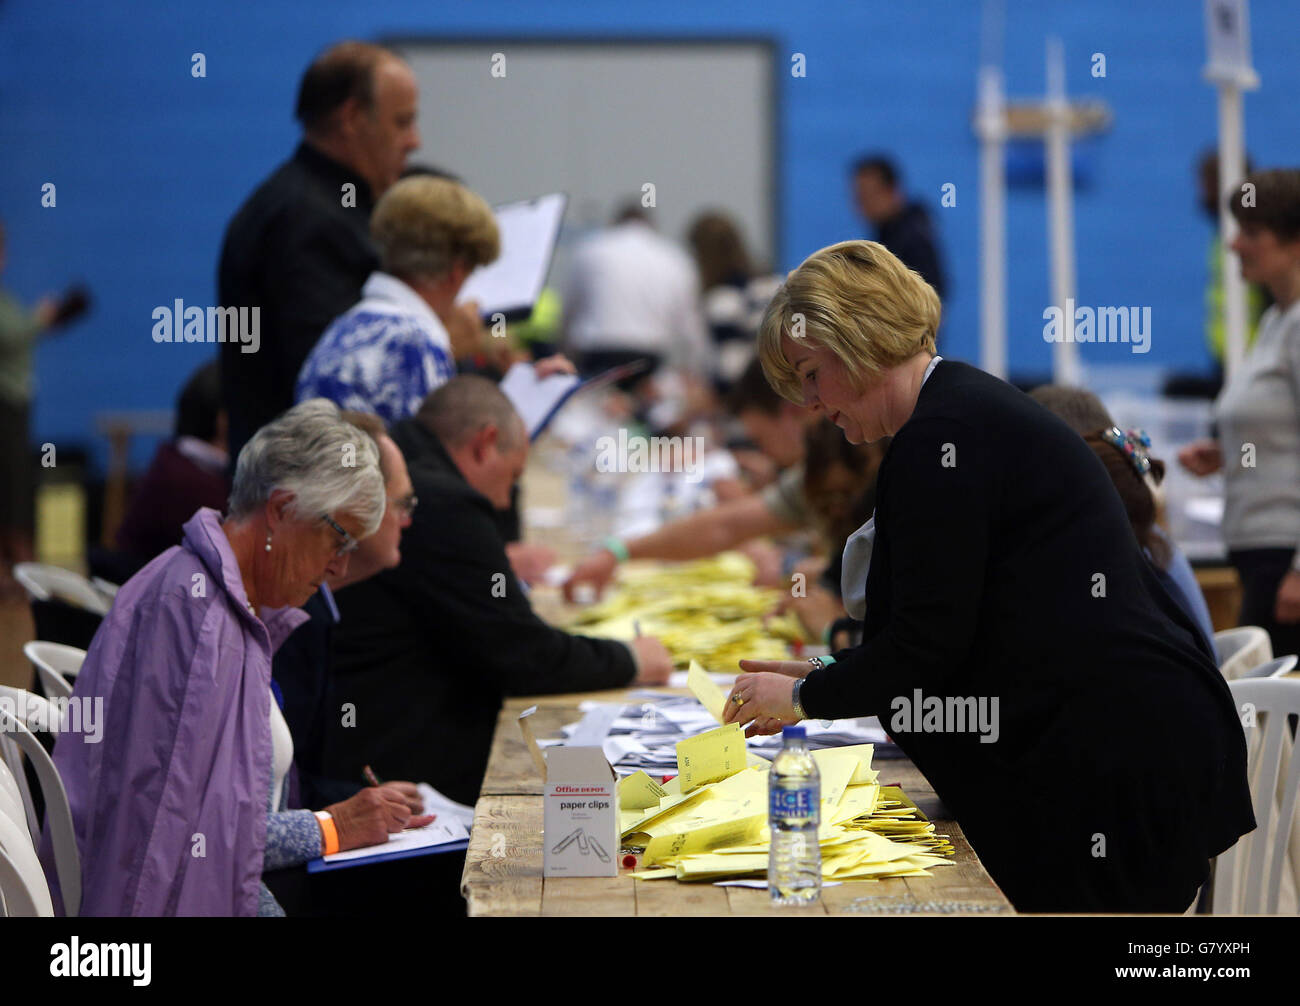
(1261, 571)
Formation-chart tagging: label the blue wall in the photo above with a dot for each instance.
(150, 162)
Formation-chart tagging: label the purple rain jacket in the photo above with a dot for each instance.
(170, 806)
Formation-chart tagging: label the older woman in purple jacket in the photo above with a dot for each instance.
(181, 805)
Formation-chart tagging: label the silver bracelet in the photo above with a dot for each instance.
(794, 697)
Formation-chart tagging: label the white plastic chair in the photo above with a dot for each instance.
(46, 583)
(58, 813)
(1248, 878)
(1242, 649)
(11, 797)
(57, 665)
(1275, 668)
(106, 587)
(23, 887)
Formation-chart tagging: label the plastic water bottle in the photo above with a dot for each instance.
(794, 788)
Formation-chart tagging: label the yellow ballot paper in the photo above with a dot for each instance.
(711, 756)
(638, 792)
(703, 688)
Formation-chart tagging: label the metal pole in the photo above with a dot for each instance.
(1231, 171)
(992, 127)
(1060, 195)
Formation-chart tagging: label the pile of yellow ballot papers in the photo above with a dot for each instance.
(708, 609)
(710, 821)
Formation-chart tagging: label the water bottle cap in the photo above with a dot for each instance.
(794, 733)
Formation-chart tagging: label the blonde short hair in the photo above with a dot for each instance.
(860, 302)
(425, 225)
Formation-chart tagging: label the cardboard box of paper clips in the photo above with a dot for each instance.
(581, 814)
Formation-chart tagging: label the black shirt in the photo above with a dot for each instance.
(427, 651)
(910, 236)
(299, 254)
(1004, 567)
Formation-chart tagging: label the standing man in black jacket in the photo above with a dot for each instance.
(902, 226)
(424, 653)
(299, 248)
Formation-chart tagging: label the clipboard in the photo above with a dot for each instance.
(510, 286)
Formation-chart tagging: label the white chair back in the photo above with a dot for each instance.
(1242, 649)
(58, 812)
(1249, 877)
(56, 664)
(23, 888)
(1276, 668)
(46, 583)
(11, 798)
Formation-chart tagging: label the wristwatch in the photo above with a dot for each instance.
(794, 699)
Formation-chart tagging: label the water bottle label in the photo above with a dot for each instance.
(794, 803)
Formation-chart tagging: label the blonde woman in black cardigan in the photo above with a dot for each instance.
(1017, 644)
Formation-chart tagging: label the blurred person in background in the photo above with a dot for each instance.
(1258, 416)
(1083, 412)
(902, 225)
(20, 328)
(632, 294)
(840, 486)
(299, 248)
(778, 507)
(734, 294)
(186, 473)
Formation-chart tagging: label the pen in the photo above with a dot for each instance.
(368, 774)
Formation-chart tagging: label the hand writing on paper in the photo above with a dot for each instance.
(763, 702)
(369, 817)
(409, 792)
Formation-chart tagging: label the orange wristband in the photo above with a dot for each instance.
(329, 832)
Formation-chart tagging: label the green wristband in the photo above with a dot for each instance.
(616, 547)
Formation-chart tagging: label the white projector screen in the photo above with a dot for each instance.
(599, 119)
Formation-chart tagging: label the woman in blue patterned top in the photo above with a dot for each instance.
(386, 353)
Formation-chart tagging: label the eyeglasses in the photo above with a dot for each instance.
(349, 545)
(407, 503)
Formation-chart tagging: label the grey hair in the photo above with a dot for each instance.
(328, 464)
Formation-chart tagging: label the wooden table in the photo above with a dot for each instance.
(503, 866)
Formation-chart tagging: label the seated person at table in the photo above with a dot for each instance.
(426, 652)
(181, 806)
(387, 352)
(1084, 413)
(840, 486)
(778, 428)
(301, 665)
(1017, 645)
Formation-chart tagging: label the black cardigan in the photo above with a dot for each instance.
(427, 651)
(1004, 567)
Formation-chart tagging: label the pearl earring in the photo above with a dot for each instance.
(268, 541)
